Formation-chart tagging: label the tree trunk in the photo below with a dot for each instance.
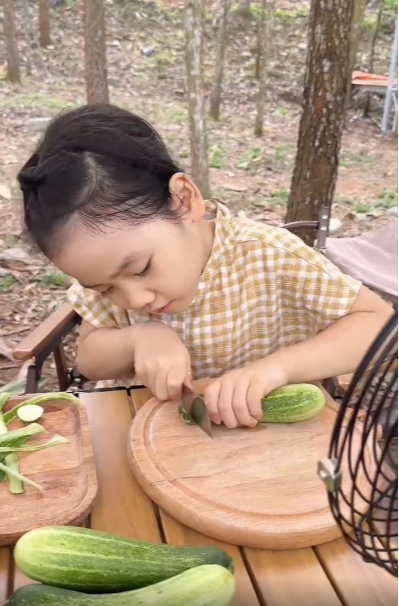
(217, 85)
(370, 66)
(194, 18)
(95, 52)
(356, 29)
(28, 37)
(320, 132)
(44, 23)
(10, 37)
(244, 8)
(264, 39)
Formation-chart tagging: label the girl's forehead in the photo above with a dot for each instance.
(105, 249)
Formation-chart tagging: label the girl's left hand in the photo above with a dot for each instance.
(235, 398)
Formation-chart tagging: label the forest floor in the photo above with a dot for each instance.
(251, 175)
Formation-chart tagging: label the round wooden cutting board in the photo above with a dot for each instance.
(250, 487)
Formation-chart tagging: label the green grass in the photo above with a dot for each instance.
(35, 100)
(282, 111)
(6, 284)
(9, 240)
(287, 17)
(217, 157)
(280, 197)
(349, 159)
(363, 207)
(173, 114)
(250, 159)
(390, 6)
(54, 279)
(388, 198)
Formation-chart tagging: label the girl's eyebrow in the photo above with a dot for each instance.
(131, 258)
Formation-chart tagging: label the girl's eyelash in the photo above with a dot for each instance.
(140, 275)
(145, 270)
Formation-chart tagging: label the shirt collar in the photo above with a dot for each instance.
(222, 237)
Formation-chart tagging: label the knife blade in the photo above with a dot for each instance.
(195, 407)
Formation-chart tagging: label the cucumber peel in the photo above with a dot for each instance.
(205, 585)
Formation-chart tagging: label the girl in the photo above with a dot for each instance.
(172, 288)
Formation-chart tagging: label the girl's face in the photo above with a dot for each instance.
(154, 267)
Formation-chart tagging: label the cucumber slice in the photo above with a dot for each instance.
(30, 413)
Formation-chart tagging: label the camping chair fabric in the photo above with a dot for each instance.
(372, 258)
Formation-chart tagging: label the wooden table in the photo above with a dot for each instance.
(328, 575)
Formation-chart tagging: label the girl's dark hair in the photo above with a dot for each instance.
(95, 164)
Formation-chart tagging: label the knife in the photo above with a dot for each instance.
(195, 407)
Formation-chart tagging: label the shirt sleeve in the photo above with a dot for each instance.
(96, 309)
(320, 288)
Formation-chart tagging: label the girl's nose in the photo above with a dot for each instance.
(139, 300)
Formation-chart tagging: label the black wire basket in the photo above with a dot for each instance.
(363, 490)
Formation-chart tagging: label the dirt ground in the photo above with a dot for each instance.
(252, 175)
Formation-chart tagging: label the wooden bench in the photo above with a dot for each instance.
(328, 575)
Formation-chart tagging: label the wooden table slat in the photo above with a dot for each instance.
(20, 580)
(290, 578)
(121, 507)
(5, 558)
(178, 534)
(358, 583)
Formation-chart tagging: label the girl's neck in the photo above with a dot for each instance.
(207, 227)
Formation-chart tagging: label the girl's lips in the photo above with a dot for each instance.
(162, 310)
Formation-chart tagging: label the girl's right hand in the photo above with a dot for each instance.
(161, 360)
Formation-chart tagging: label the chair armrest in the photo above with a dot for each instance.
(53, 329)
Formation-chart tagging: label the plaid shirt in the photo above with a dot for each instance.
(262, 290)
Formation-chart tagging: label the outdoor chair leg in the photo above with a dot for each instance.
(61, 366)
(329, 386)
(32, 379)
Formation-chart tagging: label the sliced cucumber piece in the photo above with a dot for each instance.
(30, 413)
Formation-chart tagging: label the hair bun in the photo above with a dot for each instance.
(30, 179)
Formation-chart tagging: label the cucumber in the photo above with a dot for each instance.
(207, 585)
(97, 562)
(30, 413)
(288, 404)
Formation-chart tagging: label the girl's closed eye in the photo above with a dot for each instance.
(145, 270)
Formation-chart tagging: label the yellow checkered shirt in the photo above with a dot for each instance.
(262, 290)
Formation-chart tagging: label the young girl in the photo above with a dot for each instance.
(172, 288)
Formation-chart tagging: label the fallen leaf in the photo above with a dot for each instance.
(6, 349)
(5, 192)
(233, 187)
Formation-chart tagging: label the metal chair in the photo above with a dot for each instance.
(47, 340)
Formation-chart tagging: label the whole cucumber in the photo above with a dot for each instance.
(288, 404)
(93, 561)
(207, 585)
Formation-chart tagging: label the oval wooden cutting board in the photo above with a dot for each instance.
(250, 487)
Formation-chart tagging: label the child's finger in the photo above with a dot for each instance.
(160, 384)
(240, 405)
(174, 382)
(225, 404)
(254, 399)
(211, 399)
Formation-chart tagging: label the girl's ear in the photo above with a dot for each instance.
(187, 195)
